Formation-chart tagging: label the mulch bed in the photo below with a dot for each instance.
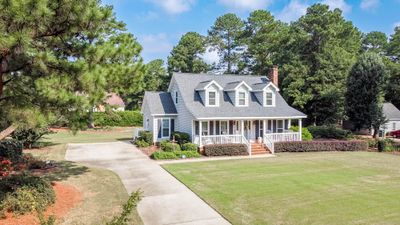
(149, 150)
(67, 197)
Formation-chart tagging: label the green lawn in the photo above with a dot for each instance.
(89, 136)
(300, 188)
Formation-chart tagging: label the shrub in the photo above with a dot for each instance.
(30, 136)
(163, 155)
(127, 209)
(319, 146)
(5, 167)
(25, 193)
(305, 133)
(142, 144)
(181, 137)
(159, 155)
(146, 136)
(118, 118)
(168, 146)
(225, 149)
(189, 147)
(11, 149)
(330, 132)
(386, 145)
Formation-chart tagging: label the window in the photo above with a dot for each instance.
(165, 127)
(242, 98)
(269, 99)
(204, 128)
(279, 126)
(176, 97)
(224, 127)
(147, 124)
(212, 98)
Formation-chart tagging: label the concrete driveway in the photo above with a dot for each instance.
(165, 201)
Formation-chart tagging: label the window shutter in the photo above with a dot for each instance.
(172, 125)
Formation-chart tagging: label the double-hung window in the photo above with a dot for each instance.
(269, 99)
(212, 98)
(242, 98)
(166, 128)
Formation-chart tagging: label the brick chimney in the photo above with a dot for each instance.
(273, 75)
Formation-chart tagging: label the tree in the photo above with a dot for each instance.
(393, 85)
(155, 79)
(185, 57)
(57, 56)
(394, 45)
(226, 36)
(364, 97)
(262, 35)
(375, 41)
(320, 49)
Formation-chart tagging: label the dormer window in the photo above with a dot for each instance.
(212, 98)
(269, 99)
(242, 99)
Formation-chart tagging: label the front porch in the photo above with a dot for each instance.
(251, 132)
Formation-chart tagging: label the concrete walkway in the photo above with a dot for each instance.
(165, 201)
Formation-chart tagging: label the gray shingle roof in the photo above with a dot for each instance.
(159, 102)
(391, 112)
(187, 84)
(231, 86)
(259, 86)
(202, 85)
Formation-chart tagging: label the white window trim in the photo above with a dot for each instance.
(246, 98)
(216, 98)
(273, 99)
(162, 127)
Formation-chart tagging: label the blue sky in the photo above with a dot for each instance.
(158, 24)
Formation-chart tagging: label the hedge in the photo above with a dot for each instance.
(169, 146)
(189, 147)
(320, 146)
(146, 136)
(329, 132)
(225, 149)
(387, 145)
(159, 155)
(118, 118)
(11, 149)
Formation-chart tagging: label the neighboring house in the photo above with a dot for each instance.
(392, 115)
(216, 109)
(114, 101)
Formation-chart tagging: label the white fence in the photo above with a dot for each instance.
(222, 139)
(279, 137)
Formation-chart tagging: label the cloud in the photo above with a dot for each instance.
(211, 56)
(155, 43)
(174, 6)
(369, 4)
(245, 5)
(341, 4)
(292, 11)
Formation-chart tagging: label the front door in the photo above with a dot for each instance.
(249, 130)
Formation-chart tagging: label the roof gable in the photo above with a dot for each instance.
(206, 84)
(391, 112)
(233, 86)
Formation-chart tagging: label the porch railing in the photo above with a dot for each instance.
(269, 144)
(279, 137)
(223, 139)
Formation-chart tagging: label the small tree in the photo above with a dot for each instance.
(364, 95)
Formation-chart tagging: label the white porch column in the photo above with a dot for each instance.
(264, 127)
(200, 132)
(300, 128)
(289, 123)
(242, 127)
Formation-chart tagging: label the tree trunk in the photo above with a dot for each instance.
(5, 133)
(90, 119)
(375, 134)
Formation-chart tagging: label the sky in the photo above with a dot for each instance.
(159, 24)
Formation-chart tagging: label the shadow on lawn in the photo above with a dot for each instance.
(66, 169)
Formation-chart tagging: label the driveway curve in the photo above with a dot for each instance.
(165, 201)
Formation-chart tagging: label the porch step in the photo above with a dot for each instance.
(258, 149)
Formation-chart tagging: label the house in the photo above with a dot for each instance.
(215, 109)
(392, 115)
(114, 101)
